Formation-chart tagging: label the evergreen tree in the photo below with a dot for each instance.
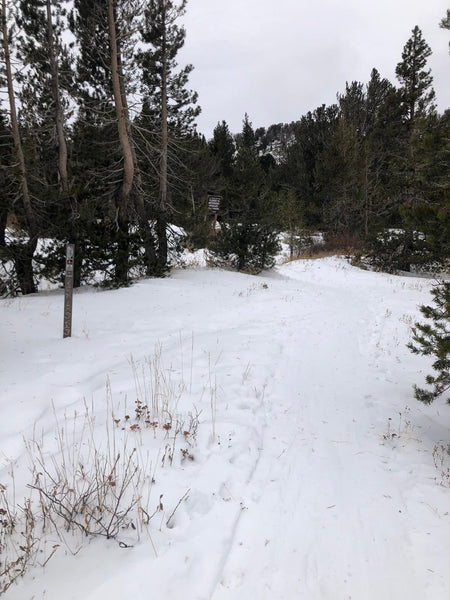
(433, 339)
(198, 178)
(22, 250)
(353, 107)
(44, 97)
(247, 138)
(223, 148)
(171, 107)
(387, 149)
(96, 146)
(417, 98)
(291, 219)
(377, 91)
(339, 174)
(8, 283)
(415, 79)
(298, 170)
(248, 236)
(107, 168)
(360, 106)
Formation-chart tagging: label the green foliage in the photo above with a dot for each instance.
(445, 23)
(377, 160)
(163, 39)
(223, 149)
(247, 247)
(393, 250)
(291, 220)
(415, 78)
(433, 221)
(302, 157)
(248, 238)
(340, 176)
(433, 339)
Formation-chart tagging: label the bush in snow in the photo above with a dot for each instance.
(245, 247)
(395, 250)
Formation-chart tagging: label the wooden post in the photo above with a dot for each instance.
(68, 290)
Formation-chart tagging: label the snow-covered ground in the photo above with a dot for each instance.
(303, 468)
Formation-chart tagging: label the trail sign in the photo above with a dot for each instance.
(214, 202)
(68, 290)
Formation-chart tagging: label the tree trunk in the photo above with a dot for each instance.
(70, 203)
(123, 194)
(161, 225)
(366, 190)
(23, 253)
(59, 113)
(148, 242)
(3, 212)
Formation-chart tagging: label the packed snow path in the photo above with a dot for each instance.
(313, 477)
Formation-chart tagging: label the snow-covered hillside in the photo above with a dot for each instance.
(289, 461)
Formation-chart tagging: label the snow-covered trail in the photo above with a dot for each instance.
(313, 475)
(317, 523)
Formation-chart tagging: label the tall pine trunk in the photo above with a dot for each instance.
(161, 222)
(124, 191)
(59, 113)
(22, 252)
(64, 183)
(148, 242)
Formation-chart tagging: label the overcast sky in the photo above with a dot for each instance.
(277, 59)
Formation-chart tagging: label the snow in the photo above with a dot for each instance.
(313, 474)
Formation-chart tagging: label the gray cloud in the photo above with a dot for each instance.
(277, 59)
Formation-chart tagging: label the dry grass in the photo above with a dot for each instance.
(91, 479)
(343, 244)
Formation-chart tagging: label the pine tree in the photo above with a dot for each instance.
(377, 91)
(96, 147)
(7, 280)
(353, 107)
(248, 236)
(197, 174)
(339, 174)
(21, 250)
(433, 339)
(417, 98)
(170, 107)
(105, 155)
(423, 170)
(247, 138)
(370, 102)
(311, 135)
(45, 106)
(223, 148)
(48, 76)
(415, 79)
(291, 219)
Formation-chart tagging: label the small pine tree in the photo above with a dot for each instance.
(248, 238)
(434, 339)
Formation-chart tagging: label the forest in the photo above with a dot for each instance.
(99, 148)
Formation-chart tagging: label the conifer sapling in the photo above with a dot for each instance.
(434, 339)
